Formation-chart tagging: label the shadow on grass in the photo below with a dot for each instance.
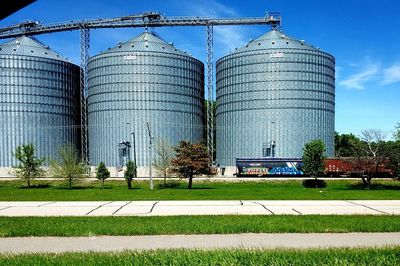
(376, 186)
(35, 186)
(169, 185)
(197, 188)
(76, 188)
(133, 188)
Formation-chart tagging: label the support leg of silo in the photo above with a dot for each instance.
(84, 53)
(210, 92)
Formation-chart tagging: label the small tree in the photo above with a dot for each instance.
(191, 159)
(314, 158)
(163, 163)
(130, 173)
(372, 149)
(102, 173)
(68, 166)
(29, 166)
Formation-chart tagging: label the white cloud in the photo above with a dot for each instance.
(229, 37)
(391, 74)
(357, 81)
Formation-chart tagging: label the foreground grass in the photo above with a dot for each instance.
(359, 257)
(271, 190)
(167, 225)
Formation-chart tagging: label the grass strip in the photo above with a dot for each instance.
(266, 190)
(346, 256)
(221, 224)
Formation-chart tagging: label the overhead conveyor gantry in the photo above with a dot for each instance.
(149, 19)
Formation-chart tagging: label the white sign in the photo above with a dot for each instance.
(276, 55)
(130, 57)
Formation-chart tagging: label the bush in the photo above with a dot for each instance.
(314, 183)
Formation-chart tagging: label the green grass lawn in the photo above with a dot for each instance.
(166, 225)
(272, 190)
(357, 257)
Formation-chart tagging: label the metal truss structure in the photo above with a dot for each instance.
(84, 51)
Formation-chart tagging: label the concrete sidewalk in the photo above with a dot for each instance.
(120, 243)
(215, 207)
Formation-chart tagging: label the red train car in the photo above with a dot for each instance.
(352, 167)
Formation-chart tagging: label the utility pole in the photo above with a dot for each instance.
(150, 156)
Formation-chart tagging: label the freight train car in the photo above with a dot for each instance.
(348, 166)
(292, 167)
(257, 167)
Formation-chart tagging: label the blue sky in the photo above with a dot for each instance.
(363, 36)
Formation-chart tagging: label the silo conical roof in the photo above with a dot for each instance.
(146, 42)
(275, 39)
(26, 46)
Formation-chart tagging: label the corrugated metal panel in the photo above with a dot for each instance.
(138, 86)
(39, 102)
(282, 92)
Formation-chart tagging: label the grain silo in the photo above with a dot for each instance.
(273, 96)
(144, 80)
(39, 95)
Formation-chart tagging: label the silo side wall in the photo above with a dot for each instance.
(127, 90)
(289, 99)
(39, 105)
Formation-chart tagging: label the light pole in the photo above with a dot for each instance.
(150, 156)
(128, 155)
(273, 143)
(134, 150)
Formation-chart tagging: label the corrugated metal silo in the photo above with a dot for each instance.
(273, 96)
(143, 80)
(39, 96)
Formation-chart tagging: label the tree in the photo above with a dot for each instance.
(314, 158)
(68, 166)
(393, 156)
(130, 173)
(29, 166)
(396, 134)
(162, 163)
(191, 159)
(372, 149)
(102, 173)
(346, 145)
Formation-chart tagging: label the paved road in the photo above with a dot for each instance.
(216, 207)
(119, 243)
